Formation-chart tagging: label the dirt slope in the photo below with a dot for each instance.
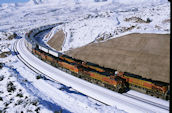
(147, 55)
(56, 41)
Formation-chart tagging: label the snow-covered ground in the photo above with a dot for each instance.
(22, 91)
(86, 21)
(99, 93)
(115, 22)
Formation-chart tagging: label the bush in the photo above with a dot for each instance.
(1, 65)
(14, 35)
(10, 87)
(34, 102)
(1, 78)
(37, 109)
(19, 95)
(38, 77)
(148, 20)
(19, 102)
(1, 99)
(6, 104)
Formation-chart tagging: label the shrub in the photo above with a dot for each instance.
(148, 20)
(6, 104)
(34, 102)
(37, 109)
(19, 102)
(1, 99)
(14, 35)
(1, 78)
(1, 65)
(19, 95)
(38, 77)
(10, 87)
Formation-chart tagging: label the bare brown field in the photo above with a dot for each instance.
(147, 55)
(56, 41)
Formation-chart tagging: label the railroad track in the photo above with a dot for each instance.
(125, 94)
(166, 108)
(37, 71)
(146, 101)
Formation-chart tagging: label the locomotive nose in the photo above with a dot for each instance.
(126, 85)
(123, 89)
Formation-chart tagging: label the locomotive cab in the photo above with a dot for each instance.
(122, 85)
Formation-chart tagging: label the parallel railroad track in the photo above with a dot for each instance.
(125, 94)
(39, 72)
(146, 101)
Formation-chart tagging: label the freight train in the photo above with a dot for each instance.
(109, 78)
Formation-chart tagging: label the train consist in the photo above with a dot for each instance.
(112, 79)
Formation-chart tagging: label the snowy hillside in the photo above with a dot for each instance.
(104, 25)
(85, 21)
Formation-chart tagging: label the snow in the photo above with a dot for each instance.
(18, 100)
(74, 105)
(160, 101)
(85, 21)
(36, 2)
(94, 91)
(112, 24)
(49, 95)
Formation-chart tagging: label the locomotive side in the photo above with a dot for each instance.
(107, 80)
(147, 86)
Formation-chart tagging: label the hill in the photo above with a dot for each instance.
(147, 55)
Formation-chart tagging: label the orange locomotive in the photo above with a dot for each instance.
(119, 82)
(148, 86)
(104, 79)
(107, 80)
(70, 66)
(86, 64)
(100, 75)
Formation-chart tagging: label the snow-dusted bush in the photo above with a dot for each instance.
(1, 78)
(12, 36)
(38, 77)
(148, 20)
(1, 99)
(10, 87)
(34, 102)
(19, 94)
(1, 66)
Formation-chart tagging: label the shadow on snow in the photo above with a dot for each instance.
(49, 104)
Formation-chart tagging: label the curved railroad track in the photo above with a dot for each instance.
(165, 108)
(36, 70)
